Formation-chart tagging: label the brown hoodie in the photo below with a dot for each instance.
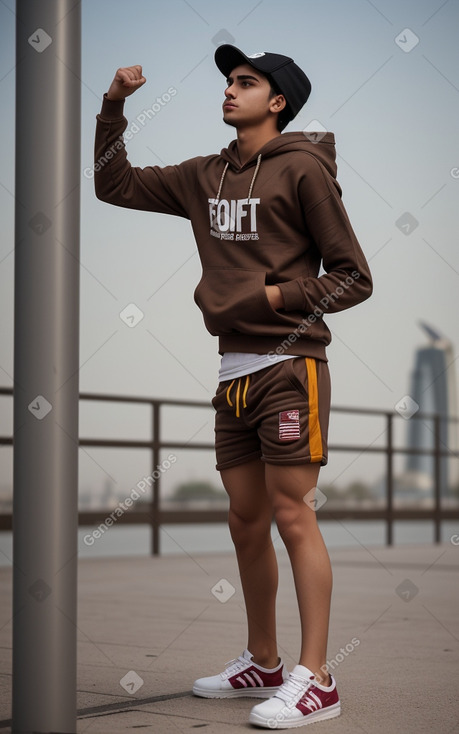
(272, 221)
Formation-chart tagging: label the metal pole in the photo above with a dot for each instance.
(46, 361)
(437, 477)
(390, 482)
(155, 500)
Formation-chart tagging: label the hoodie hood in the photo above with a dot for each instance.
(323, 150)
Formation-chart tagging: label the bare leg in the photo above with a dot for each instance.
(297, 524)
(250, 518)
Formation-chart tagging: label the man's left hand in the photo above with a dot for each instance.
(274, 296)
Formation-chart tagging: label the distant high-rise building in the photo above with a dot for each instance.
(433, 387)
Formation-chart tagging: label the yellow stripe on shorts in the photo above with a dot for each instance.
(315, 435)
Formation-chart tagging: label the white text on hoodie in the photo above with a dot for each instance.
(226, 218)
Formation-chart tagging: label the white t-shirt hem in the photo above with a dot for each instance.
(238, 364)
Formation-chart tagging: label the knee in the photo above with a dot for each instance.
(289, 521)
(248, 529)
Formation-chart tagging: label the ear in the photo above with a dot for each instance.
(277, 103)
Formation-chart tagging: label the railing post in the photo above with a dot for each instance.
(437, 479)
(390, 481)
(156, 445)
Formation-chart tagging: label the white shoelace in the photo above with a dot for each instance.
(293, 688)
(234, 666)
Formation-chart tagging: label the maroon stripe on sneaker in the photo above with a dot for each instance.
(315, 699)
(256, 678)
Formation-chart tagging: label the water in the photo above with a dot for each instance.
(134, 540)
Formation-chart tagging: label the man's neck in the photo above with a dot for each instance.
(250, 140)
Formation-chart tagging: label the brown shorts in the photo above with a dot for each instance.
(279, 414)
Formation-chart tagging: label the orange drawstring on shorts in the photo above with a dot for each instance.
(244, 394)
(238, 394)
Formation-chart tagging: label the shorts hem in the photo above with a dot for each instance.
(240, 460)
(297, 460)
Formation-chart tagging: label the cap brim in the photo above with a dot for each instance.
(227, 57)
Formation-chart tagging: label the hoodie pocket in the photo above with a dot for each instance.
(233, 300)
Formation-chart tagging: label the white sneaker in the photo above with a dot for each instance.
(242, 678)
(299, 701)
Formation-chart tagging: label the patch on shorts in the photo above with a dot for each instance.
(289, 425)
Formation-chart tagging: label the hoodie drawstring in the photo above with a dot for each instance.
(252, 183)
(257, 168)
(238, 394)
(221, 182)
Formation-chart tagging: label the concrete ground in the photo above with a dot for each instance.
(156, 624)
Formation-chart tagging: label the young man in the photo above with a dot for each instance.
(266, 213)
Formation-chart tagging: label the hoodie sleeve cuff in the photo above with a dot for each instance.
(111, 109)
(292, 295)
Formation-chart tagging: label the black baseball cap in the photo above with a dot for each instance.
(287, 78)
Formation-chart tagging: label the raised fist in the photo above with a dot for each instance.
(127, 80)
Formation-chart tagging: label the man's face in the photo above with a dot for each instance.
(247, 97)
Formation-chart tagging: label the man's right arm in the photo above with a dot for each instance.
(117, 182)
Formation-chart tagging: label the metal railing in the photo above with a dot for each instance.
(154, 516)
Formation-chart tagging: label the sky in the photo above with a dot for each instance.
(385, 80)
